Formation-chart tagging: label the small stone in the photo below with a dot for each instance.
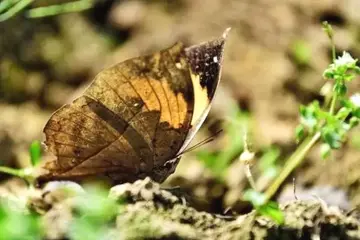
(127, 14)
(120, 191)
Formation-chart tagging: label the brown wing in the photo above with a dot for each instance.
(135, 117)
(132, 118)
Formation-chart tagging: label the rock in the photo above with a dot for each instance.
(142, 190)
(127, 14)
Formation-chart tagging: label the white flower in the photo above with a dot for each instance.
(355, 99)
(346, 59)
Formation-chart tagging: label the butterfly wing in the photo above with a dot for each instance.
(204, 62)
(135, 116)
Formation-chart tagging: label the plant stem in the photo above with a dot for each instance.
(333, 49)
(20, 173)
(294, 160)
(12, 171)
(333, 103)
(60, 8)
(6, 4)
(15, 9)
(250, 177)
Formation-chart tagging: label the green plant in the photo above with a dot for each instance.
(92, 212)
(218, 162)
(95, 214)
(301, 52)
(268, 168)
(16, 223)
(27, 174)
(263, 207)
(9, 8)
(328, 124)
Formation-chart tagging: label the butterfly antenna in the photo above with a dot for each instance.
(201, 143)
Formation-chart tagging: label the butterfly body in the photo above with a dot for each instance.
(136, 117)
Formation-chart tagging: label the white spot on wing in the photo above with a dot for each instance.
(215, 59)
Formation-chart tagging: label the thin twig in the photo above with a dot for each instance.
(294, 189)
(250, 177)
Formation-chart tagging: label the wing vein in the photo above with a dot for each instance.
(177, 100)
(117, 94)
(77, 136)
(103, 148)
(95, 120)
(83, 126)
(157, 97)
(167, 100)
(69, 145)
(128, 81)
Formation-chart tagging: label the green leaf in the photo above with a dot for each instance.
(340, 88)
(268, 159)
(325, 150)
(356, 112)
(349, 77)
(331, 137)
(299, 133)
(96, 204)
(272, 210)
(301, 52)
(95, 211)
(354, 121)
(357, 70)
(210, 161)
(343, 113)
(81, 227)
(35, 152)
(310, 115)
(218, 162)
(257, 199)
(345, 127)
(271, 172)
(18, 225)
(328, 74)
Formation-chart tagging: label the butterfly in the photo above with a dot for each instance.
(136, 118)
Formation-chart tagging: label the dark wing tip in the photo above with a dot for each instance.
(205, 60)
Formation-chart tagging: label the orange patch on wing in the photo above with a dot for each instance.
(147, 94)
(172, 100)
(165, 107)
(183, 108)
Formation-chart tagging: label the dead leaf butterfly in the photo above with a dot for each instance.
(136, 117)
